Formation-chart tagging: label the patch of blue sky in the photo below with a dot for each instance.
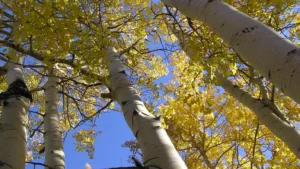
(108, 150)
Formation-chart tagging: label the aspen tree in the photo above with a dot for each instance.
(14, 119)
(54, 154)
(158, 150)
(274, 56)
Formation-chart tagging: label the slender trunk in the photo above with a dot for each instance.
(158, 150)
(54, 154)
(274, 56)
(14, 119)
(267, 113)
(283, 130)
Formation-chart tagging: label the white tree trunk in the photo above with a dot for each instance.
(268, 114)
(54, 154)
(13, 125)
(275, 57)
(158, 150)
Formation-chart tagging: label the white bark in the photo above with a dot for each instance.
(275, 57)
(13, 125)
(54, 154)
(284, 131)
(266, 111)
(158, 150)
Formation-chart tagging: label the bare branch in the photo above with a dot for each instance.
(36, 129)
(40, 164)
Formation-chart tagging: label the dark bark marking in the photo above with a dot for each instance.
(293, 72)
(136, 133)
(246, 30)
(223, 24)
(249, 29)
(157, 118)
(291, 52)
(134, 113)
(235, 86)
(4, 164)
(156, 127)
(124, 102)
(269, 75)
(123, 72)
(209, 1)
(16, 88)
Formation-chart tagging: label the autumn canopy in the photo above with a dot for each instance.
(200, 83)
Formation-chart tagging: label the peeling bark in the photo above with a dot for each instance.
(274, 56)
(54, 154)
(14, 119)
(158, 150)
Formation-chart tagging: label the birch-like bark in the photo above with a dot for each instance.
(265, 110)
(280, 128)
(158, 150)
(54, 154)
(13, 122)
(274, 56)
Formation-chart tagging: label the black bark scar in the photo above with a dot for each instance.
(157, 118)
(16, 88)
(123, 72)
(291, 52)
(124, 102)
(136, 133)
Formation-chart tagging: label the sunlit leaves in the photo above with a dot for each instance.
(85, 141)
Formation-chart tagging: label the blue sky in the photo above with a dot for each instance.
(108, 153)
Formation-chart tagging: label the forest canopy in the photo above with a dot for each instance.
(216, 102)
